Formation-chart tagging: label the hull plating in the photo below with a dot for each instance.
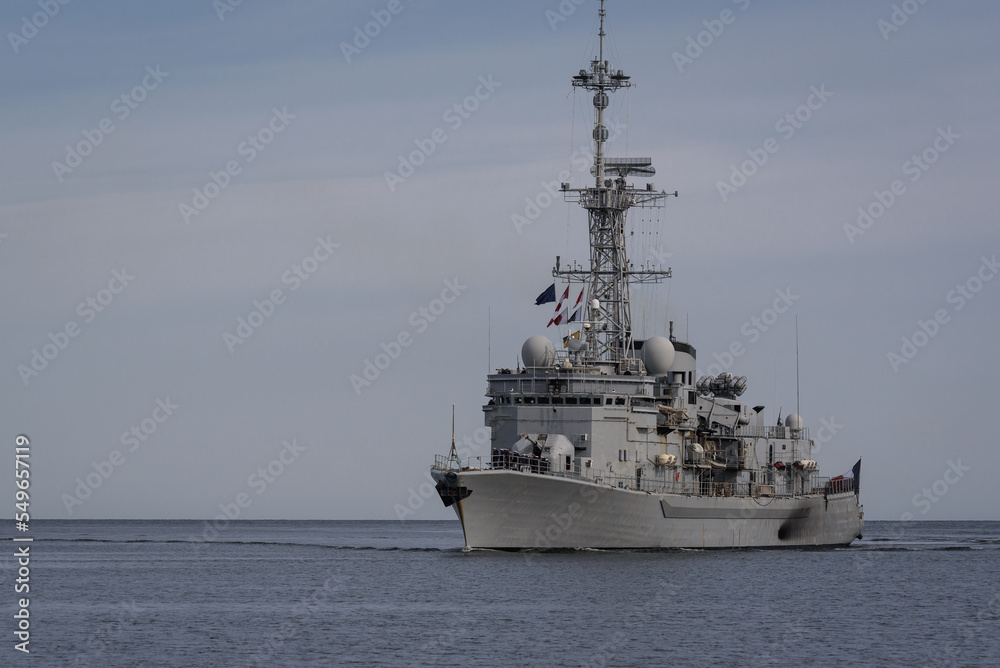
(515, 510)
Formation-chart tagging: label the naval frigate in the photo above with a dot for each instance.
(613, 442)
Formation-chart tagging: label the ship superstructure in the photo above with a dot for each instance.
(614, 443)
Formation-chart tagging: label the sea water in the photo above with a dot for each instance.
(339, 593)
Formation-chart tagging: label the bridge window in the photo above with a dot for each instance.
(571, 400)
(619, 401)
(557, 400)
(543, 401)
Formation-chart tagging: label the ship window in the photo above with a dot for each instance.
(607, 401)
(571, 400)
(529, 400)
(692, 398)
(569, 463)
(518, 400)
(619, 401)
(585, 400)
(557, 400)
(543, 401)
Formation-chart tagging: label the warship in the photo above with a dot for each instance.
(613, 442)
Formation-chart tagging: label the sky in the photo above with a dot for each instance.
(215, 214)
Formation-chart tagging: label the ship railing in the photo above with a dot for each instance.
(448, 462)
(838, 485)
(793, 486)
(754, 431)
(584, 383)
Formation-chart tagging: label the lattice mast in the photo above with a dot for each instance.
(607, 326)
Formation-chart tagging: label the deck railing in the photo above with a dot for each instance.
(754, 431)
(793, 486)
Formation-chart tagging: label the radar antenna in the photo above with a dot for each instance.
(607, 324)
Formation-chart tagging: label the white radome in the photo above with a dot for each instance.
(793, 421)
(538, 351)
(657, 355)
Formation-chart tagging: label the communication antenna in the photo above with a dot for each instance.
(453, 454)
(776, 389)
(797, 367)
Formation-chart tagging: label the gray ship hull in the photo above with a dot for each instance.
(517, 510)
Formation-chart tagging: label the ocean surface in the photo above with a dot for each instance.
(145, 593)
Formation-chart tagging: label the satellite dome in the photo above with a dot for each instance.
(793, 421)
(657, 355)
(538, 351)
